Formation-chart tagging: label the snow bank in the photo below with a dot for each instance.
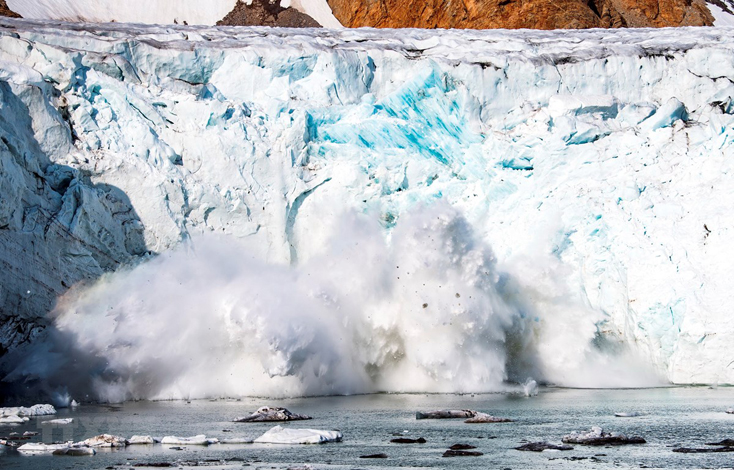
(531, 204)
(158, 12)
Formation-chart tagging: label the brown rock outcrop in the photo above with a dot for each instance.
(5, 11)
(264, 13)
(514, 14)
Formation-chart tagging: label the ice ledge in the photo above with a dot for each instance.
(468, 46)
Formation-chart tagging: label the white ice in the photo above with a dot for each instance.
(281, 435)
(157, 12)
(571, 187)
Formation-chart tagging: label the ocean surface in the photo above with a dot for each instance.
(680, 416)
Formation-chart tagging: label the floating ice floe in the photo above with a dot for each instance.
(266, 414)
(486, 418)
(35, 410)
(104, 440)
(13, 419)
(470, 416)
(59, 421)
(446, 414)
(141, 440)
(597, 437)
(39, 448)
(199, 440)
(75, 451)
(21, 414)
(281, 435)
(542, 446)
(236, 440)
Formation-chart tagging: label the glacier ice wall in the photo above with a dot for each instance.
(595, 164)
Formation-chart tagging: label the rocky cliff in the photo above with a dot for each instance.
(265, 13)
(5, 11)
(515, 14)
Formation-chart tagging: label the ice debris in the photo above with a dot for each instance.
(39, 448)
(597, 437)
(486, 418)
(141, 440)
(631, 414)
(269, 414)
(530, 388)
(59, 421)
(470, 416)
(199, 440)
(281, 435)
(75, 451)
(20, 414)
(105, 440)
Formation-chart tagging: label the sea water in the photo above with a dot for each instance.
(672, 417)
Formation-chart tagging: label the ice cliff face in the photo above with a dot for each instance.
(596, 165)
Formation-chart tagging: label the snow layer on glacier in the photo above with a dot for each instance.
(524, 201)
(158, 12)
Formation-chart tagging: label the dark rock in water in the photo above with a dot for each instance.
(707, 450)
(462, 447)
(725, 442)
(268, 414)
(446, 414)
(461, 453)
(405, 440)
(541, 446)
(373, 456)
(597, 437)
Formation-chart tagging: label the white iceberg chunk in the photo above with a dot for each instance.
(59, 421)
(198, 440)
(12, 420)
(140, 440)
(39, 448)
(35, 410)
(486, 418)
(281, 435)
(105, 440)
(75, 451)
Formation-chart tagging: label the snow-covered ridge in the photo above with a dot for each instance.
(525, 202)
(157, 12)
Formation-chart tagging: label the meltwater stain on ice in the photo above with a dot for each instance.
(212, 319)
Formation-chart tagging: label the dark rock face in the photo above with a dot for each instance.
(264, 13)
(5, 11)
(513, 14)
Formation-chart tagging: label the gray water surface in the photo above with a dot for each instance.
(676, 417)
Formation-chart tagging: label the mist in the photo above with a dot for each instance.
(426, 308)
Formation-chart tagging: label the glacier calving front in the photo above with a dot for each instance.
(596, 164)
